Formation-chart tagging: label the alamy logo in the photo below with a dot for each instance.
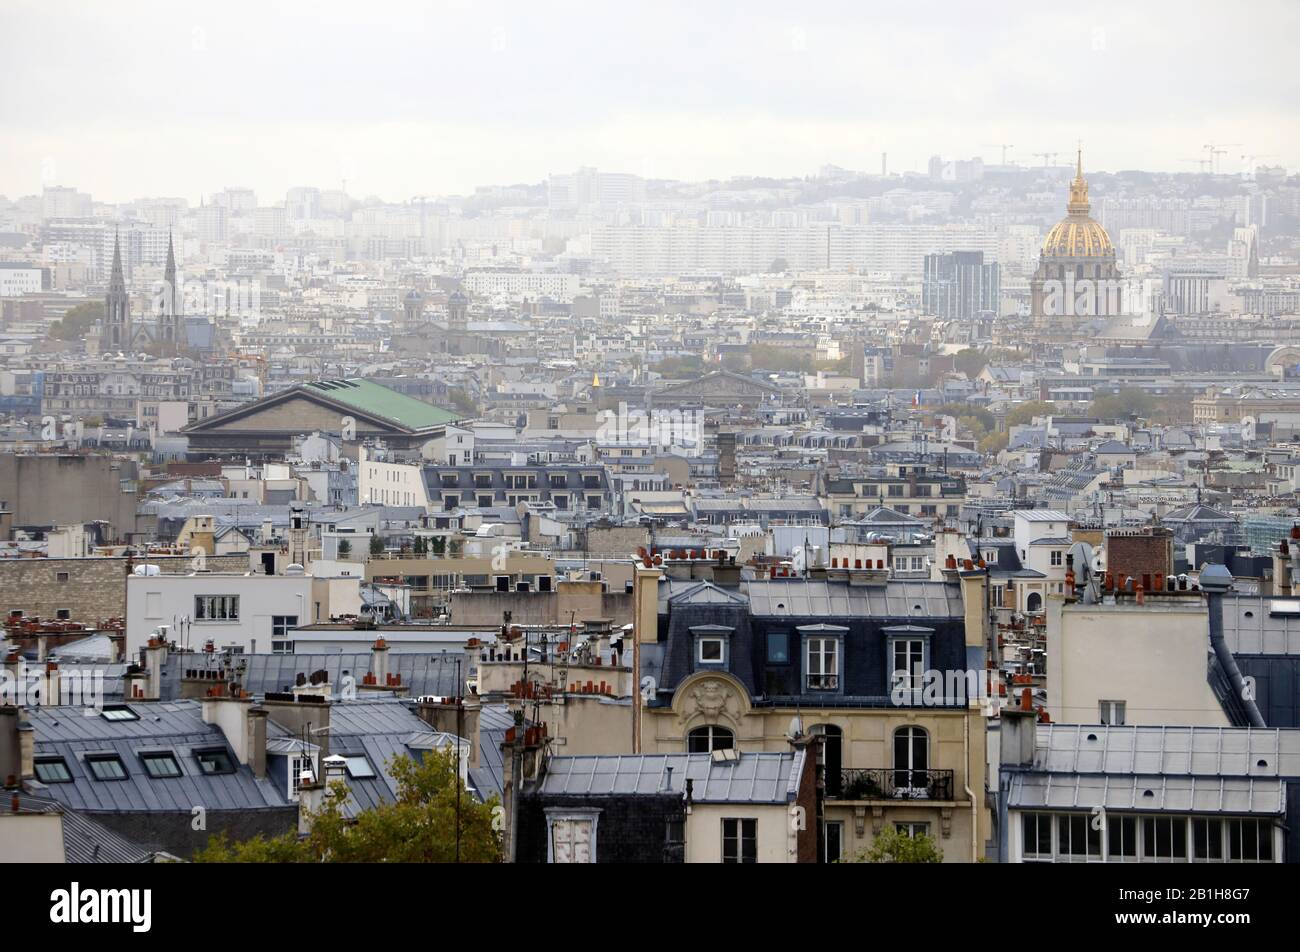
(75, 905)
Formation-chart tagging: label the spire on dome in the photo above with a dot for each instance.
(1078, 205)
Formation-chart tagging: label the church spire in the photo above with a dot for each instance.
(117, 304)
(1078, 205)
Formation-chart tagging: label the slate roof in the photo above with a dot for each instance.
(174, 726)
(1153, 769)
(421, 672)
(84, 840)
(753, 778)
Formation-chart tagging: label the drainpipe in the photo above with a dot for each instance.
(1214, 581)
(974, 810)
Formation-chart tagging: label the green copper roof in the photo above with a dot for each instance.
(366, 396)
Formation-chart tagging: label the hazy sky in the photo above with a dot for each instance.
(127, 99)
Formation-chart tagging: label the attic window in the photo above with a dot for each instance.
(119, 712)
(711, 650)
(106, 767)
(52, 770)
(160, 765)
(214, 760)
(359, 768)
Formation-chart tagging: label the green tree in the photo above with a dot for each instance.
(970, 362)
(994, 443)
(376, 544)
(345, 548)
(1025, 412)
(891, 846)
(420, 826)
(1126, 403)
(77, 321)
(462, 402)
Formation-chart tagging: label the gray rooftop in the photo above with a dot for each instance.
(753, 778)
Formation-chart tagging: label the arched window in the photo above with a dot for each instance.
(1034, 603)
(832, 755)
(703, 740)
(911, 758)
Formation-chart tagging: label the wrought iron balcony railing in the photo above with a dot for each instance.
(885, 783)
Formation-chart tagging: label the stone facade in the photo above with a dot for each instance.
(90, 590)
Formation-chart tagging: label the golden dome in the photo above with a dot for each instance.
(1078, 235)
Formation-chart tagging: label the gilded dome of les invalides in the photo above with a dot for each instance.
(1078, 235)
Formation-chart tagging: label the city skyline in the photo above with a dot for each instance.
(186, 104)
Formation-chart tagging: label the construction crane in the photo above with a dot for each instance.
(1214, 150)
(1000, 145)
(1049, 158)
(1202, 164)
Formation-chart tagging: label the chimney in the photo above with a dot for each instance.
(155, 656)
(11, 743)
(311, 797)
(379, 661)
(446, 717)
(257, 741)
(1018, 735)
(50, 681)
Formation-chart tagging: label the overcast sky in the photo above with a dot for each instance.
(127, 99)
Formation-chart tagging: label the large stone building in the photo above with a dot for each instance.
(357, 409)
(1077, 277)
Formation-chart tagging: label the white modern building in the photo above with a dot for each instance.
(247, 613)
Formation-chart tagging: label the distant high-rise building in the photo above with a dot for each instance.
(590, 187)
(61, 202)
(213, 222)
(957, 286)
(1243, 254)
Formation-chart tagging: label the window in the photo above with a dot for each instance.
(1037, 831)
(711, 651)
(912, 830)
(281, 647)
(1057, 557)
(823, 664)
(908, 655)
(297, 766)
(832, 756)
(1207, 839)
(573, 837)
(358, 767)
(280, 625)
(1121, 837)
(1034, 603)
(216, 608)
(778, 647)
(60, 576)
(833, 843)
(161, 765)
(1077, 839)
(1112, 713)
(119, 712)
(739, 841)
(1250, 841)
(911, 758)
(106, 767)
(1164, 837)
(63, 614)
(214, 760)
(704, 740)
(52, 770)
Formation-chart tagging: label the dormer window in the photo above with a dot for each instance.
(823, 652)
(712, 646)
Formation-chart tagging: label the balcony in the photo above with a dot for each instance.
(885, 783)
